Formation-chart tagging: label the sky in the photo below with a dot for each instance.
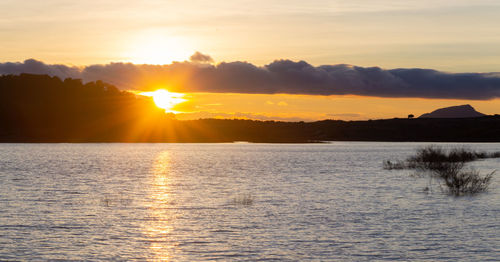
(254, 50)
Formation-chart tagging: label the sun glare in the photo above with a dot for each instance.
(157, 48)
(166, 100)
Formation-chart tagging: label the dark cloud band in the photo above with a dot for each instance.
(280, 76)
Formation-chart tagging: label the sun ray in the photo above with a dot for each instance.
(165, 99)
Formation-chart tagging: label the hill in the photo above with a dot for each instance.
(462, 111)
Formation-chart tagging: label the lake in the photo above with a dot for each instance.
(198, 202)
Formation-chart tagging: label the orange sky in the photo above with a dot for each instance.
(309, 108)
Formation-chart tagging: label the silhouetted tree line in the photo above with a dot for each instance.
(44, 108)
(40, 108)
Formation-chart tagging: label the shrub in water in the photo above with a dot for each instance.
(394, 165)
(467, 182)
(447, 167)
(243, 200)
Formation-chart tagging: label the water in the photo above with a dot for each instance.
(192, 202)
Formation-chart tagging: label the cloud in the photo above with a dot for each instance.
(281, 103)
(346, 115)
(278, 77)
(32, 66)
(238, 115)
(201, 58)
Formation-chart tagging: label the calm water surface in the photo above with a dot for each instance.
(198, 202)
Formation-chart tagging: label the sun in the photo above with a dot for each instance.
(156, 48)
(166, 100)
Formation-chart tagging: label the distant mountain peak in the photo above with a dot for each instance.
(462, 111)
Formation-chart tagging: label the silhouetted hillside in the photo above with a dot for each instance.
(39, 108)
(462, 111)
(44, 108)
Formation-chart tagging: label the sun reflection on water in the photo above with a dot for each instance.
(158, 228)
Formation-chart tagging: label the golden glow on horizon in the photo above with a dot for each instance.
(287, 107)
(166, 100)
(311, 108)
